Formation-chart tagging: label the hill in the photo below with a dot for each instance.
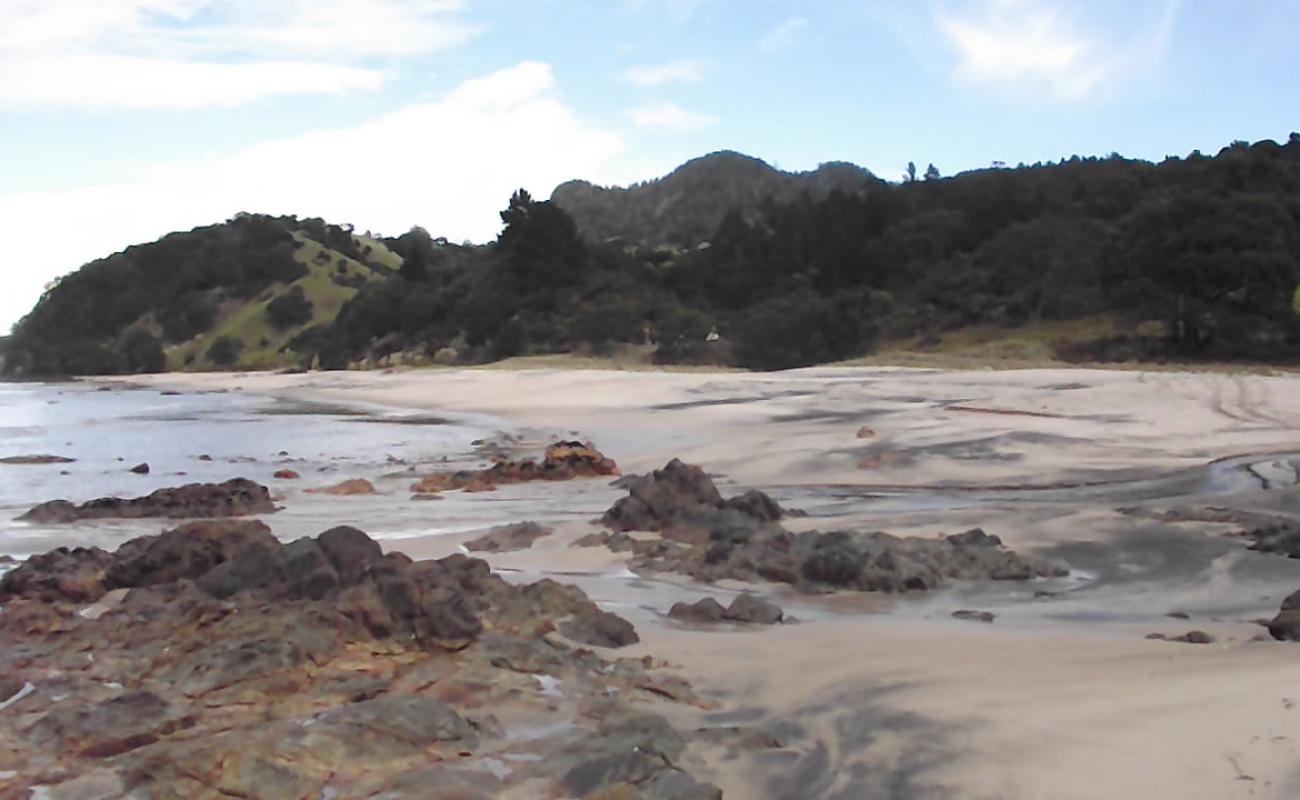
(229, 294)
(1089, 259)
(686, 206)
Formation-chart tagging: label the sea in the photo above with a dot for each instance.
(212, 436)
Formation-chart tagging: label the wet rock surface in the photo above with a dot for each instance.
(349, 487)
(234, 498)
(227, 664)
(741, 538)
(562, 461)
(745, 609)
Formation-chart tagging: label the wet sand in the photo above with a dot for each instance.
(1061, 697)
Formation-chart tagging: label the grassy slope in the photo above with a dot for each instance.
(248, 322)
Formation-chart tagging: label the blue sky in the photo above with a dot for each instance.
(121, 120)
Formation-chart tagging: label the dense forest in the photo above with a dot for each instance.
(727, 260)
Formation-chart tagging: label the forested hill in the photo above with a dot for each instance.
(685, 207)
(1091, 259)
(217, 296)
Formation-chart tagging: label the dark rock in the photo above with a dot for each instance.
(975, 537)
(599, 629)
(1194, 637)
(974, 616)
(706, 610)
(506, 538)
(834, 564)
(236, 497)
(755, 610)
(1281, 537)
(350, 551)
(36, 459)
(1177, 615)
(141, 469)
(189, 551)
(74, 575)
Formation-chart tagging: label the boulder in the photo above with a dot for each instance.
(599, 629)
(141, 469)
(974, 616)
(706, 610)
(286, 475)
(187, 552)
(754, 610)
(74, 575)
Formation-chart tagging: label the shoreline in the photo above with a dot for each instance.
(1061, 696)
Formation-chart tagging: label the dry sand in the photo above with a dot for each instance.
(1061, 697)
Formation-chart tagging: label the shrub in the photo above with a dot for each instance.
(290, 309)
(224, 352)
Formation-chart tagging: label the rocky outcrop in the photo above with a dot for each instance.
(745, 608)
(507, 538)
(712, 539)
(1286, 625)
(37, 459)
(227, 664)
(562, 461)
(234, 498)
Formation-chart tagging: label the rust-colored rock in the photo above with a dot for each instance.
(352, 486)
(286, 475)
(562, 461)
(320, 668)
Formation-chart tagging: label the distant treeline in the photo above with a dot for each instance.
(1200, 254)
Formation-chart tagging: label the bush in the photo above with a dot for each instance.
(801, 329)
(142, 352)
(224, 352)
(290, 309)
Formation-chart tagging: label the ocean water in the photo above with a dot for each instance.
(248, 436)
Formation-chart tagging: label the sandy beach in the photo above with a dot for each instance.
(1061, 697)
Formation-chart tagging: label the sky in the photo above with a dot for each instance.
(123, 120)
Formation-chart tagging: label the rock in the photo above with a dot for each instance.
(205, 457)
(741, 539)
(1177, 615)
(1281, 537)
(599, 629)
(286, 475)
(141, 469)
(73, 575)
(236, 497)
(1284, 626)
(36, 459)
(111, 727)
(352, 486)
(974, 616)
(1194, 637)
(598, 539)
(706, 610)
(865, 433)
(562, 461)
(506, 538)
(755, 610)
(187, 552)
(1156, 637)
(321, 666)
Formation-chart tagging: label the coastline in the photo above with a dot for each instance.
(1060, 697)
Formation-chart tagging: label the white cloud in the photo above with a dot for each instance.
(448, 165)
(662, 114)
(649, 75)
(192, 53)
(783, 36)
(1033, 46)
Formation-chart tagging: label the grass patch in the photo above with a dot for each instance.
(248, 322)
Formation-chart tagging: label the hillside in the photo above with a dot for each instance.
(686, 206)
(230, 294)
(1089, 259)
